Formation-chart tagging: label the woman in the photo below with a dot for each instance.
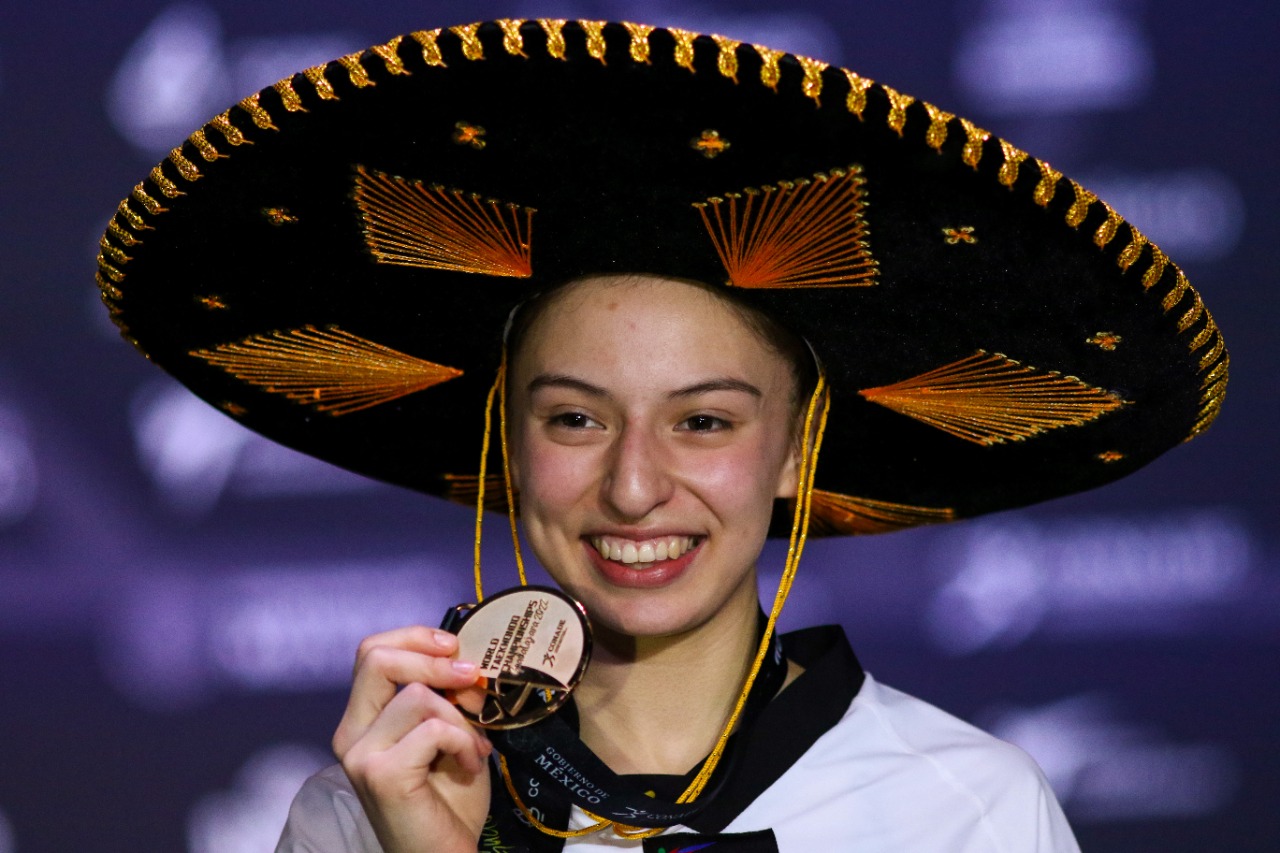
(984, 334)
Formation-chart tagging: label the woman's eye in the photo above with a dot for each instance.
(573, 420)
(704, 423)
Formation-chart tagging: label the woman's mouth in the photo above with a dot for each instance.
(642, 554)
(642, 563)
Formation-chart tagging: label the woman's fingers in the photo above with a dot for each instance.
(415, 729)
(387, 661)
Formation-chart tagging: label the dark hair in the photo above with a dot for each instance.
(782, 340)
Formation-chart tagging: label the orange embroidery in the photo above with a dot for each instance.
(963, 234)
(412, 224)
(833, 513)
(710, 143)
(463, 488)
(803, 233)
(213, 303)
(1110, 456)
(335, 371)
(1105, 340)
(278, 215)
(469, 134)
(988, 398)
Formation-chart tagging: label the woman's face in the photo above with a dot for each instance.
(651, 430)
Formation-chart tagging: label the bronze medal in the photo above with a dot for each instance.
(532, 643)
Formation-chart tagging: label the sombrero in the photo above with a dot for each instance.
(332, 260)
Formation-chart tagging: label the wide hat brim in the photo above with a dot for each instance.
(332, 261)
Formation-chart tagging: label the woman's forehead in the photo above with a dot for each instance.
(647, 327)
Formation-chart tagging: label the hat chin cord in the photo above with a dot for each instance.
(815, 423)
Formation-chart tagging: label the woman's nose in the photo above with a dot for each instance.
(638, 480)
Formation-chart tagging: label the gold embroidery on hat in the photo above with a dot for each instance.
(114, 229)
(148, 203)
(185, 167)
(288, 97)
(109, 271)
(898, 104)
(1220, 369)
(1174, 296)
(471, 47)
(334, 371)
(1159, 260)
(469, 134)
(936, 135)
(963, 234)
(1048, 185)
(989, 398)
(595, 39)
(109, 291)
(512, 40)
(279, 215)
(1133, 250)
(974, 137)
(257, 112)
(1188, 319)
(321, 83)
(389, 53)
(554, 28)
(684, 47)
(639, 41)
(710, 144)
(1210, 405)
(355, 70)
(803, 233)
(727, 60)
(234, 409)
(132, 217)
(1109, 456)
(1104, 340)
(410, 223)
(167, 187)
(1202, 336)
(465, 488)
(811, 85)
(430, 49)
(1080, 207)
(769, 73)
(856, 101)
(212, 302)
(113, 252)
(1013, 157)
(1107, 230)
(222, 122)
(204, 146)
(1212, 355)
(834, 513)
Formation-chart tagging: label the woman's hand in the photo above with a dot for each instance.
(417, 765)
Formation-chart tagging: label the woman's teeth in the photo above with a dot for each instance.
(649, 551)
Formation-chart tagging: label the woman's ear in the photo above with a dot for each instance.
(788, 477)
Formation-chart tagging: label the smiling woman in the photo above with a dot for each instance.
(708, 293)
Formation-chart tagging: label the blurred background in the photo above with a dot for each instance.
(180, 600)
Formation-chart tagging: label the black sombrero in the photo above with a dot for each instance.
(332, 260)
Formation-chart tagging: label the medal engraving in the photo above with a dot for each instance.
(532, 644)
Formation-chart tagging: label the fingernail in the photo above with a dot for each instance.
(463, 667)
(443, 638)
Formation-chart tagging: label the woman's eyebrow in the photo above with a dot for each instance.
(560, 380)
(724, 384)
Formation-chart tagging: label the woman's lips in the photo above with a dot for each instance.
(642, 575)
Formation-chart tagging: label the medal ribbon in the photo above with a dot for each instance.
(547, 757)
